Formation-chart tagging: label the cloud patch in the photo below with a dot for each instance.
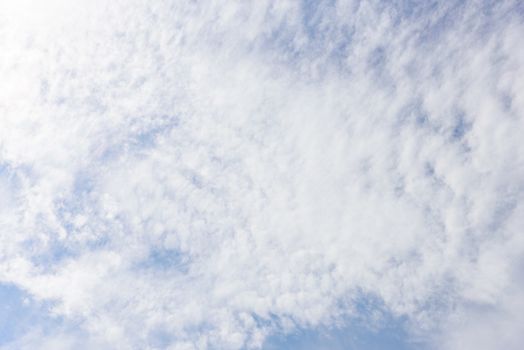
(192, 175)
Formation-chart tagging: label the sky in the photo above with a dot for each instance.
(310, 175)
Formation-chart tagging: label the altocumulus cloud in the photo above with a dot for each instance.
(207, 174)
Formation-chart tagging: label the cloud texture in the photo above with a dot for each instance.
(205, 174)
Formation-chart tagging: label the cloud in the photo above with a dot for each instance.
(196, 175)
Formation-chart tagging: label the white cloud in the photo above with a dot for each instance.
(199, 175)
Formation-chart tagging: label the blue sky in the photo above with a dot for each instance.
(346, 338)
(390, 334)
(261, 175)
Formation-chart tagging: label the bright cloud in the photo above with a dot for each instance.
(207, 174)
